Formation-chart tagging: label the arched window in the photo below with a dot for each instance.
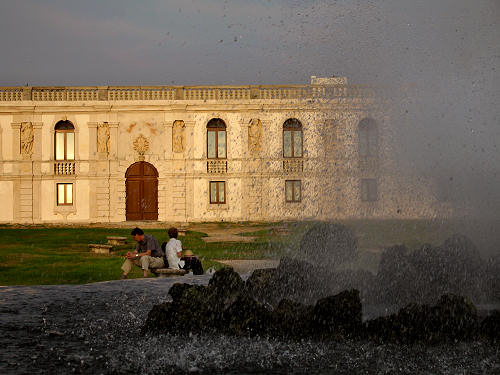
(64, 142)
(216, 139)
(368, 134)
(292, 138)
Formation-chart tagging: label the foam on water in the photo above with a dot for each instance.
(95, 328)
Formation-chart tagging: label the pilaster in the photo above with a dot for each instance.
(37, 140)
(92, 140)
(16, 140)
(189, 141)
(168, 152)
(113, 140)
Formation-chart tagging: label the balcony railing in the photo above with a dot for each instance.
(64, 167)
(293, 165)
(11, 94)
(217, 166)
(141, 93)
(124, 93)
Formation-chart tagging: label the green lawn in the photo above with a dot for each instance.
(60, 255)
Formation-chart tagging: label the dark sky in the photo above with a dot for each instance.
(444, 54)
(66, 42)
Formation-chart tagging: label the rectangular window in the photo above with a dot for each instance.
(64, 194)
(221, 144)
(65, 145)
(287, 144)
(60, 145)
(211, 144)
(297, 144)
(292, 143)
(363, 145)
(368, 190)
(70, 146)
(293, 191)
(216, 144)
(217, 192)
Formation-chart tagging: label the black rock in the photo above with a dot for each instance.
(161, 319)
(338, 315)
(292, 320)
(178, 289)
(490, 326)
(452, 318)
(247, 317)
(423, 275)
(455, 317)
(226, 282)
(260, 283)
(194, 311)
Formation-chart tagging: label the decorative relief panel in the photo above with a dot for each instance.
(103, 138)
(178, 136)
(141, 145)
(254, 136)
(26, 140)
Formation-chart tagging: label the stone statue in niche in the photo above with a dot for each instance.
(103, 138)
(27, 137)
(254, 136)
(178, 136)
(141, 145)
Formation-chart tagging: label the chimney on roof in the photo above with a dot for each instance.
(328, 80)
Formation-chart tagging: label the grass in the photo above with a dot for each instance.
(36, 255)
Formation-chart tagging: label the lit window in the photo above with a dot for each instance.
(216, 139)
(292, 138)
(64, 194)
(292, 191)
(64, 141)
(368, 145)
(217, 192)
(368, 190)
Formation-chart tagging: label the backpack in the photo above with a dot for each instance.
(163, 249)
(194, 264)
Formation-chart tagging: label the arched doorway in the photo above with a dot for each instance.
(141, 192)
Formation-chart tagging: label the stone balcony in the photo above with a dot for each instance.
(64, 168)
(368, 164)
(216, 166)
(293, 165)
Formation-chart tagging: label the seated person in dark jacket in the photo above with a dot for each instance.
(147, 254)
(192, 263)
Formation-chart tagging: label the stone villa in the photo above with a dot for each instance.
(214, 153)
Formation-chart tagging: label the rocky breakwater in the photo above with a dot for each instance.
(404, 276)
(225, 306)
(315, 296)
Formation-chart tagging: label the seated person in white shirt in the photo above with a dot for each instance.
(173, 250)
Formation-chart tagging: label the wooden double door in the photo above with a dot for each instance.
(141, 192)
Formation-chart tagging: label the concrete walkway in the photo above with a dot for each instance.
(225, 232)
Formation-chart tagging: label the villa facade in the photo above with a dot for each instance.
(186, 154)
